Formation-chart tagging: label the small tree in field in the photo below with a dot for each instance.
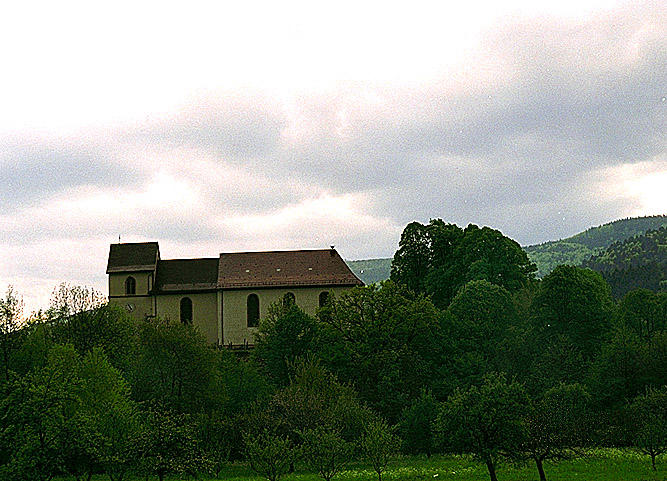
(379, 443)
(485, 421)
(649, 411)
(556, 425)
(269, 455)
(325, 452)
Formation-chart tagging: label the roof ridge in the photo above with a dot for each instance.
(279, 250)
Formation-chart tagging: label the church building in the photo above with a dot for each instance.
(224, 296)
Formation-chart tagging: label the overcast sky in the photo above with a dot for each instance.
(213, 127)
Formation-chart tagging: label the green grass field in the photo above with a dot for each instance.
(602, 465)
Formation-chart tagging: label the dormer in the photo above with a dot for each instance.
(131, 268)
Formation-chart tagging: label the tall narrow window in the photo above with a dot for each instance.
(253, 310)
(130, 286)
(289, 299)
(186, 310)
(324, 298)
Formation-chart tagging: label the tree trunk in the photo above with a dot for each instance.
(492, 469)
(653, 461)
(379, 475)
(540, 469)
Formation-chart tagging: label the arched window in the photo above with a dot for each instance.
(289, 299)
(130, 286)
(186, 310)
(253, 310)
(324, 298)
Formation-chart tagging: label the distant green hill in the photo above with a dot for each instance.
(640, 261)
(578, 248)
(371, 270)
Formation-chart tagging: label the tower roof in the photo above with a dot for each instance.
(134, 256)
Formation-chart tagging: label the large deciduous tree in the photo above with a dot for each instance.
(575, 303)
(439, 258)
(385, 341)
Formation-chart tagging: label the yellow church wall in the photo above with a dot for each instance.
(204, 311)
(140, 305)
(234, 312)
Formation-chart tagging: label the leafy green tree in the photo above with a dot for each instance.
(105, 326)
(413, 259)
(618, 373)
(325, 451)
(379, 444)
(485, 421)
(385, 341)
(216, 435)
(43, 407)
(286, 334)
(559, 362)
(649, 416)
(269, 454)
(11, 310)
(176, 367)
(575, 303)
(315, 398)
(439, 258)
(68, 300)
(416, 425)
(110, 416)
(556, 425)
(483, 319)
(643, 311)
(168, 444)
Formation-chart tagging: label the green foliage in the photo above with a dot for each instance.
(379, 444)
(644, 312)
(439, 258)
(11, 310)
(556, 425)
(485, 421)
(106, 326)
(482, 328)
(168, 444)
(325, 451)
(649, 415)
(286, 334)
(575, 303)
(416, 425)
(385, 341)
(269, 455)
(315, 399)
(176, 367)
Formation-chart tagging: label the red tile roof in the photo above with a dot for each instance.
(284, 268)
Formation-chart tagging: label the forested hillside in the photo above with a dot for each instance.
(640, 261)
(371, 270)
(578, 248)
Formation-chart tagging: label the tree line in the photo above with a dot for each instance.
(462, 351)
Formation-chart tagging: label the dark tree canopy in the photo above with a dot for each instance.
(576, 303)
(439, 258)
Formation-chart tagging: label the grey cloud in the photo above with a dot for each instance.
(33, 169)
